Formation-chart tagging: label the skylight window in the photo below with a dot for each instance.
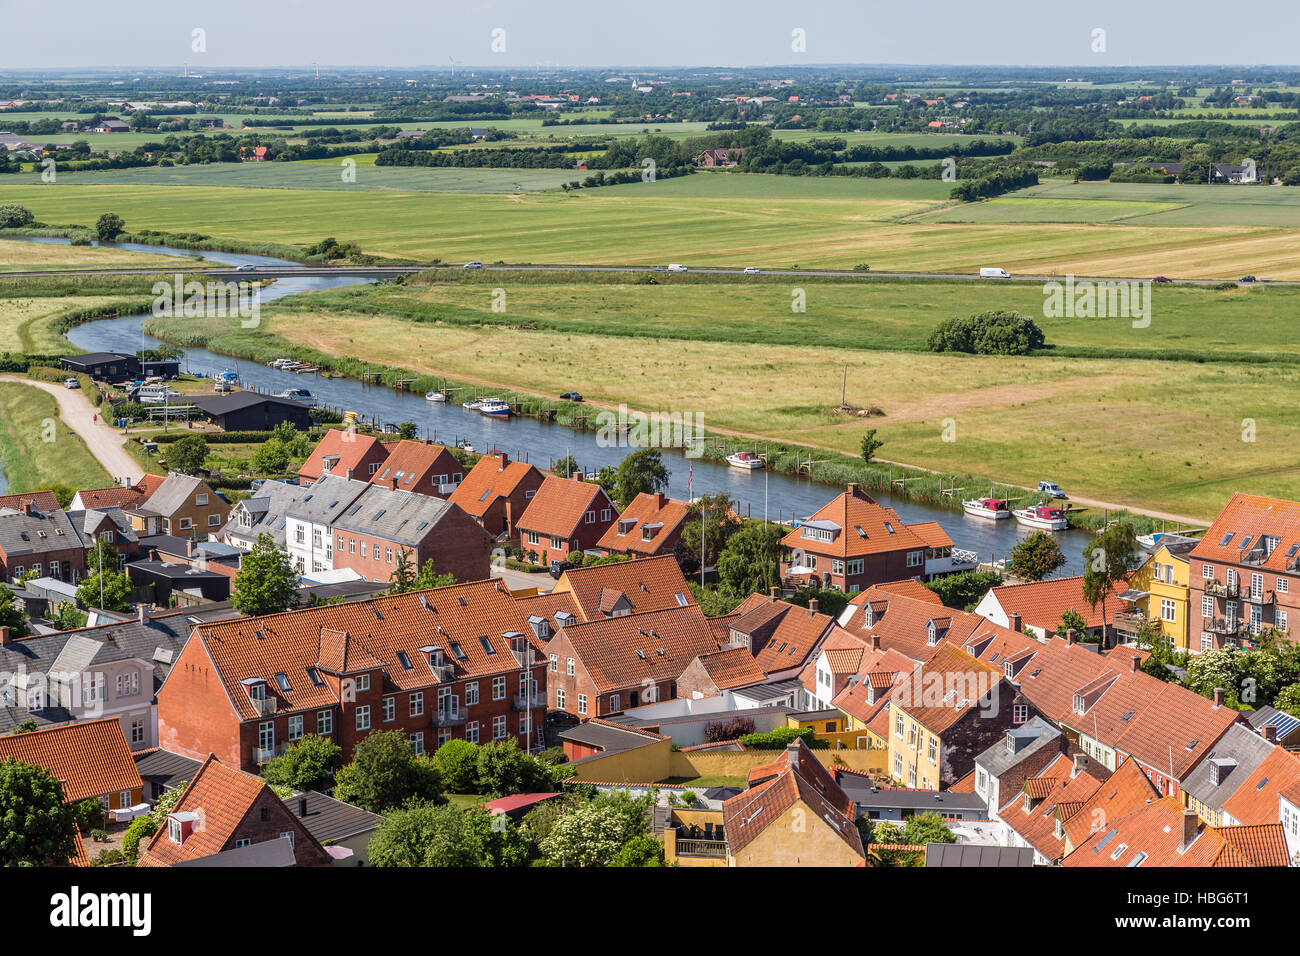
(404, 660)
(1245, 542)
(283, 681)
(459, 651)
(487, 646)
(1226, 538)
(378, 514)
(316, 679)
(889, 527)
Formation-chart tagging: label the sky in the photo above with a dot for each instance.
(623, 33)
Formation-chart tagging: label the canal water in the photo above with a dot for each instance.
(758, 492)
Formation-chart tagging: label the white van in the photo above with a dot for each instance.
(995, 273)
(676, 267)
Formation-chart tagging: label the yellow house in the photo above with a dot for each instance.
(1159, 594)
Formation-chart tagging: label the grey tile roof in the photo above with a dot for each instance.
(30, 534)
(165, 768)
(267, 509)
(328, 819)
(1237, 753)
(1017, 744)
(608, 739)
(970, 854)
(175, 491)
(402, 517)
(86, 522)
(324, 501)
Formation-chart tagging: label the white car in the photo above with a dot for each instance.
(751, 270)
(473, 265)
(676, 267)
(247, 267)
(71, 383)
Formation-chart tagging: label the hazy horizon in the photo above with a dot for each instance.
(668, 34)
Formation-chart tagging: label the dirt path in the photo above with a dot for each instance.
(104, 441)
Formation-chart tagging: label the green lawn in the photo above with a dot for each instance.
(36, 449)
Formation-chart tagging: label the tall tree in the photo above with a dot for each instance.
(1035, 557)
(1107, 563)
(266, 582)
(385, 773)
(716, 516)
(751, 561)
(642, 472)
(104, 585)
(187, 454)
(36, 827)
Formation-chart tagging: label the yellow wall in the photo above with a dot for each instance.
(823, 725)
(645, 764)
(1144, 580)
(800, 837)
(738, 763)
(912, 751)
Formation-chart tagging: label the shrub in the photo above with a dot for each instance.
(140, 828)
(782, 737)
(458, 760)
(729, 729)
(988, 333)
(90, 815)
(99, 836)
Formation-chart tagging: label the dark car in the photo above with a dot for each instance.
(559, 567)
(571, 397)
(1246, 279)
(1162, 279)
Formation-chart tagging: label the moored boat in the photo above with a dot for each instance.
(987, 507)
(1047, 517)
(433, 395)
(473, 405)
(494, 408)
(744, 459)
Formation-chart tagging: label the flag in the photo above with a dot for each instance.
(690, 475)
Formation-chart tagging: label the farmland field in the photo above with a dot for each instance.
(30, 324)
(29, 416)
(1015, 417)
(705, 219)
(30, 256)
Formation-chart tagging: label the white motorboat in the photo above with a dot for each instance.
(1047, 517)
(744, 459)
(986, 507)
(433, 395)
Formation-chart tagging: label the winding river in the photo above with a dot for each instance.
(777, 495)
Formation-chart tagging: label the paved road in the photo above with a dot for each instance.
(104, 441)
(522, 581)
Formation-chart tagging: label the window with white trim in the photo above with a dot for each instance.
(582, 703)
(363, 717)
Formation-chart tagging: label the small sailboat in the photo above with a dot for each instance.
(986, 507)
(494, 408)
(433, 395)
(744, 459)
(473, 405)
(1047, 517)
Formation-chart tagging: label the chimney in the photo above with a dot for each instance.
(142, 613)
(1134, 663)
(812, 607)
(771, 592)
(153, 554)
(1191, 827)
(1014, 617)
(1270, 730)
(394, 481)
(6, 639)
(1218, 697)
(792, 753)
(853, 489)
(349, 474)
(875, 642)
(189, 547)
(1080, 764)
(302, 807)
(505, 460)
(1071, 636)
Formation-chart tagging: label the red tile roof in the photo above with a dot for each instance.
(1256, 800)
(1125, 790)
(657, 516)
(633, 649)
(783, 636)
(748, 814)
(732, 667)
(561, 504)
(1175, 729)
(462, 616)
(44, 500)
(416, 466)
(488, 480)
(945, 689)
(645, 584)
(865, 527)
(1041, 603)
(90, 757)
(1250, 519)
(909, 588)
(350, 449)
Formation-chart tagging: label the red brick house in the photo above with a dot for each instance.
(565, 515)
(1245, 573)
(425, 468)
(852, 543)
(434, 664)
(496, 491)
(43, 540)
(625, 587)
(346, 453)
(649, 525)
(225, 809)
(606, 666)
(782, 637)
(371, 534)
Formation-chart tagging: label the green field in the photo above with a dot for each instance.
(28, 417)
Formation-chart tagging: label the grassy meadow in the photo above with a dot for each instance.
(27, 417)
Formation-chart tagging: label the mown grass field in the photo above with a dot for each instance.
(717, 219)
(19, 256)
(1144, 432)
(27, 417)
(31, 325)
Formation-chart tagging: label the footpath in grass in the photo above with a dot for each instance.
(37, 449)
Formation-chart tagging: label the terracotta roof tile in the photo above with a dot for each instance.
(44, 500)
(90, 757)
(348, 448)
(648, 584)
(659, 517)
(115, 497)
(1253, 518)
(416, 466)
(1041, 603)
(560, 505)
(864, 527)
(1255, 801)
(488, 480)
(964, 682)
(732, 667)
(628, 650)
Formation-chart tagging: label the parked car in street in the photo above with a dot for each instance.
(1051, 489)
